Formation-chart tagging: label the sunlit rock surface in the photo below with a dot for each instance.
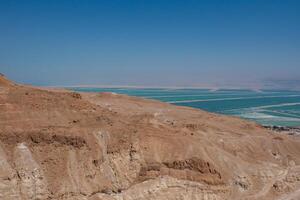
(57, 144)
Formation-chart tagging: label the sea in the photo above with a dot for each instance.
(267, 107)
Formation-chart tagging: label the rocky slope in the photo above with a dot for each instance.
(57, 144)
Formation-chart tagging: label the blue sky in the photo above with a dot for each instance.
(151, 43)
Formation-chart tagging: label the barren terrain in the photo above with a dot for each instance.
(57, 144)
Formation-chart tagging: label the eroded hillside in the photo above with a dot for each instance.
(57, 144)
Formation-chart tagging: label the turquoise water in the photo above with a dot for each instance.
(281, 108)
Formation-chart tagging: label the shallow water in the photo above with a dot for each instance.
(281, 108)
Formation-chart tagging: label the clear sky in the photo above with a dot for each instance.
(151, 43)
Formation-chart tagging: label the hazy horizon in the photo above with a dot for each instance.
(212, 44)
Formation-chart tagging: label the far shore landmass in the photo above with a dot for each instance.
(204, 87)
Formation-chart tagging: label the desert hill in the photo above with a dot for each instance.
(4, 82)
(104, 146)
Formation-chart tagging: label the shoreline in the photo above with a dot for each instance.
(284, 129)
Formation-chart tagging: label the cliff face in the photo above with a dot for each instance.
(56, 144)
